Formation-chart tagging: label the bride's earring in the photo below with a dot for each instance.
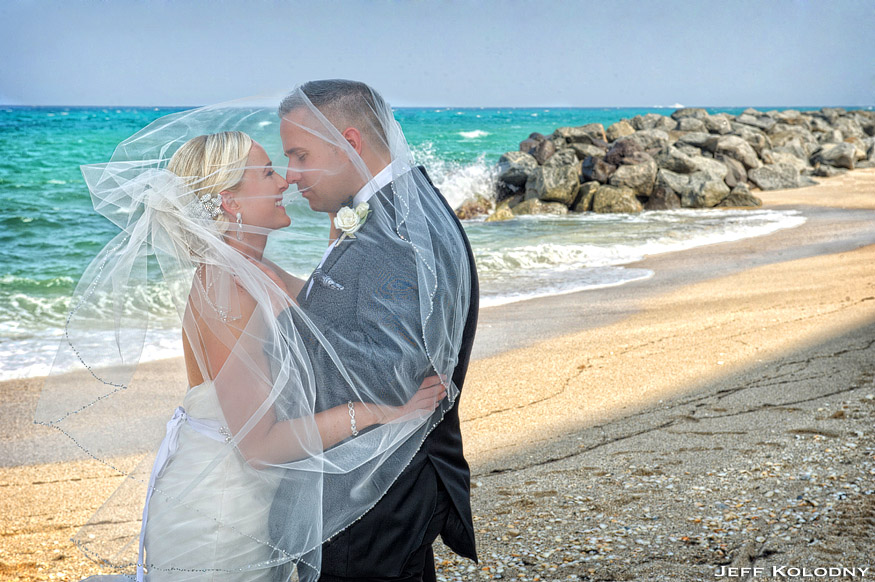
(239, 226)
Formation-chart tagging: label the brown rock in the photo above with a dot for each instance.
(584, 196)
(614, 199)
(596, 169)
(535, 206)
(618, 130)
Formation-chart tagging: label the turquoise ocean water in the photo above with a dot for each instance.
(49, 231)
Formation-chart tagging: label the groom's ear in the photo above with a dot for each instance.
(354, 138)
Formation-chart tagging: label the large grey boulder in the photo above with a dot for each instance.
(615, 199)
(849, 128)
(691, 124)
(758, 121)
(515, 168)
(827, 171)
(740, 196)
(778, 177)
(675, 182)
(832, 114)
(543, 151)
(697, 190)
(554, 184)
(564, 157)
(535, 206)
(718, 124)
(689, 113)
(783, 132)
(529, 144)
(664, 196)
(736, 173)
(795, 147)
(689, 150)
(829, 136)
(585, 150)
(625, 152)
(842, 155)
(755, 137)
(866, 119)
(638, 177)
(800, 141)
(710, 167)
(596, 169)
(673, 159)
(653, 121)
(584, 196)
(782, 156)
(703, 191)
(619, 129)
(700, 139)
(648, 138)
(737, 148)
(860, 146)
(592, 133)
(792, 117)
(819, 124)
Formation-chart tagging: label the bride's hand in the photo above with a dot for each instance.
(429, 396)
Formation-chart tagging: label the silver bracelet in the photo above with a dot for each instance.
(352, 427)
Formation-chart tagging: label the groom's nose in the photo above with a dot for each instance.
(292, 175)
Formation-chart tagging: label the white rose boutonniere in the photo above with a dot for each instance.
(349, 221)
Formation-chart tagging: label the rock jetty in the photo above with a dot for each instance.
(691, 159)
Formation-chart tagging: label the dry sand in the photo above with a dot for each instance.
(719, 414)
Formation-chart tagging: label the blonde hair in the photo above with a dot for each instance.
(212, 163)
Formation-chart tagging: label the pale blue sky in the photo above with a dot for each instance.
(453, 53)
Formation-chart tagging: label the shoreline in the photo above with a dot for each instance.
(575, 401)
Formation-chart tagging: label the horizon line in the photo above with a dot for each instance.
(675, 107)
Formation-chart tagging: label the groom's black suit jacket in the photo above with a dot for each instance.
(378, 544)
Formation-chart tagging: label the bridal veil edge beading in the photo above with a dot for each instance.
(99, 398)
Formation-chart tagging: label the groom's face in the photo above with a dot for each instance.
(323, 172)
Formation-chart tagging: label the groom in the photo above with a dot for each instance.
(431, 497)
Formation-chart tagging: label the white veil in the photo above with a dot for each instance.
(281, 365)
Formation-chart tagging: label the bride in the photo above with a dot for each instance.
(211, 164)
(195, 222)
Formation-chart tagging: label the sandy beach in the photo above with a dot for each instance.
(718, 415)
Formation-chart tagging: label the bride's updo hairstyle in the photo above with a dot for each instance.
(210, 164)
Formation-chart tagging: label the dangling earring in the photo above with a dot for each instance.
(239, 226)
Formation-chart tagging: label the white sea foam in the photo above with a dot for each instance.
(590, 251)
(456, 181)
(34, 356)
(474, 134)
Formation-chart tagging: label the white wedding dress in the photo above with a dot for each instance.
(207, 517)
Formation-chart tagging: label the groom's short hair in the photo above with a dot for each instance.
(344, 103)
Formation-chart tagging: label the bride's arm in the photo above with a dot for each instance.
(235, 359)
(282, 444)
